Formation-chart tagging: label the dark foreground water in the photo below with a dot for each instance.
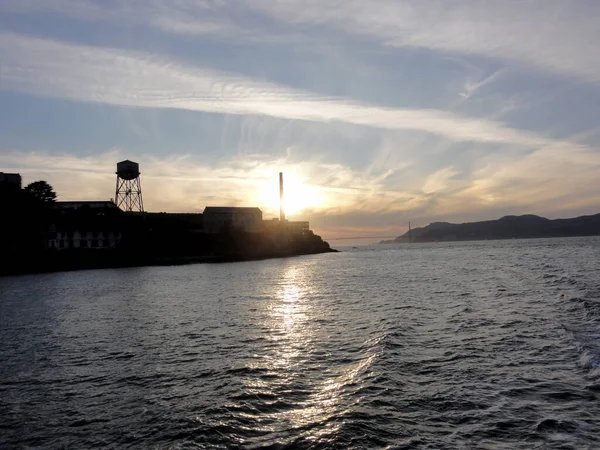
(464, 345)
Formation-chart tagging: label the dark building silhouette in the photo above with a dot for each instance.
(11, 178)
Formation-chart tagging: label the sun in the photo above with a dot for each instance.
(297, 197)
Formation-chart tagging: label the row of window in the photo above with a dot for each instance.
(84, 240)
(82, 243)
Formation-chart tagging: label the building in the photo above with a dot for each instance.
(271, 226)
(219, 218)
(290, 227)
(86, 224)
(86, 239)
(187, 221)
(297, 227)
(11, 178)
(94, 204)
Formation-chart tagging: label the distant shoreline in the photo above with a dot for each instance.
(391, 242)
(507, 227)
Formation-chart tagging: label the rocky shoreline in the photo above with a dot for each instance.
(89, 259)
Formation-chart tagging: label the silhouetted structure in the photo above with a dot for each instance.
(297, 227)
(281, 210)
(128, 195)
(11, 178)
(45, 235)
(220, 218)
(85, 224)
(91, 204)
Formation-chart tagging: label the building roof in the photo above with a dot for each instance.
(231, 209)
(14, 178)
(88, 203)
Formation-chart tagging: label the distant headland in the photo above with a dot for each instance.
(508, 227)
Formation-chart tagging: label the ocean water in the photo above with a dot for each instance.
(492, 345)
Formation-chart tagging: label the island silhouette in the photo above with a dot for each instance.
(508, 227)
(40, 234)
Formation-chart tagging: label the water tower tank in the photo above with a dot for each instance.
(128, 170)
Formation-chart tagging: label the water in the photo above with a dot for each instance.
(462, 345)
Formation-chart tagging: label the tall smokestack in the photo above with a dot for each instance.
(281, 211)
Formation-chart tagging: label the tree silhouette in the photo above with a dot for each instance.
(42, 191)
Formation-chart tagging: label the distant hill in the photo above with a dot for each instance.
(508, 227)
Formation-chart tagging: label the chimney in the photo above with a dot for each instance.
(281, 211)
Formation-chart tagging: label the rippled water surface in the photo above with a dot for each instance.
(462, 345)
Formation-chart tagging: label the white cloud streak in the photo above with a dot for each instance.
(554, 35)
(175, 16)
(125, 78)
(548, 34)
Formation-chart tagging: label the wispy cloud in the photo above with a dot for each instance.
(547, 34)
(440, 180)
(473, 85)
(125, 78)
(176, 16)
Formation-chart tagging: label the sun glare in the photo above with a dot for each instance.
(297, 198)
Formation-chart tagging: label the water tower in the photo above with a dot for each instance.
(128, 196)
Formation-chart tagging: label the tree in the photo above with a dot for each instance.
(42, 191)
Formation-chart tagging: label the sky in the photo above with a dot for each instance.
(378, 112)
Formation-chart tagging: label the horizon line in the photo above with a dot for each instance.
(359, 237)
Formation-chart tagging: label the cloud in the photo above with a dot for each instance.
(440, 180)
(472, 86)
(546, 34)
(126, 78)
(549, 181)
(366, 166)
(175, 16)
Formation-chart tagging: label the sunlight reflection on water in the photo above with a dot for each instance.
(318, 388)
(442, 346)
